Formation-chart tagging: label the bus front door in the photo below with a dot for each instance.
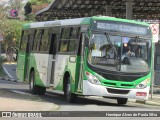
(81, 65)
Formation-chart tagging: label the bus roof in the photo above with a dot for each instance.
(77, 21)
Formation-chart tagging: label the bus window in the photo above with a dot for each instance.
(75, 32)
(44, 41)
(24, 40)
(37, 38)
(73, 39)
(32, 37)
(63, 46)
(72, 47)
(65, 33)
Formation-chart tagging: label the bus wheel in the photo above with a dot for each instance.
(41, 90)
(71, 98)
(32, 86)
(122, 101)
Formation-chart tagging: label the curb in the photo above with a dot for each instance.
(8, 79)
(144, 102)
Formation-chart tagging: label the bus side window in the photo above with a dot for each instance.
(75, 32)
(24, 39)
(65, 33)
(73, 39)
(37, 38)
(32, 38)
(72, 47)
(63, 44)
(44, 41)
(22, 34)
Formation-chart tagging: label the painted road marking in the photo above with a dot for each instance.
(8, 73)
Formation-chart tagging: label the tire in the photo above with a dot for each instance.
(41, 90)
(33, 88)
(71, 98)
(122, 101)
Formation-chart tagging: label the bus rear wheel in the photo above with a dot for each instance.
(122, 101)
(33, 88)
(71, 98)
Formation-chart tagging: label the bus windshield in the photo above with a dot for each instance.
(120, 53)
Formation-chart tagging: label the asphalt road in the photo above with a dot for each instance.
(21, 90)
(83, 103)
(10, 70)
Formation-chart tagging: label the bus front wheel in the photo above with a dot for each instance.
(33, 88)
(71, 98)
(122, 101)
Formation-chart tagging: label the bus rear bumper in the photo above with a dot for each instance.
(99, 90)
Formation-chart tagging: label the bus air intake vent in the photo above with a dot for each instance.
(117, 91)
(108, 83)
(127, 85)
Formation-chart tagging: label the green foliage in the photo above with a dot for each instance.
(11, 30)
(30, 17)
(38, 2)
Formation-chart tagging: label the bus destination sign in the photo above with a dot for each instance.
(121, 27)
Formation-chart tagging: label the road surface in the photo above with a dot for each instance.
(20, 91)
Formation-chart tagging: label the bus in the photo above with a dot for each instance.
(91, 56)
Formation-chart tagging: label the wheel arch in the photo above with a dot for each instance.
(65, 78)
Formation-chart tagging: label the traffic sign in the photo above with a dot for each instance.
(155, 32)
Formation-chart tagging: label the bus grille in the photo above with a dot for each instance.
(121, 85)
(117, 91)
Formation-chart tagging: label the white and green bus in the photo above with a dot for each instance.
(91, 56)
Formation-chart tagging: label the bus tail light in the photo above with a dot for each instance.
(141, 94)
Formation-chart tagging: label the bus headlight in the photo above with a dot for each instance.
(92, 79)
(143, 84)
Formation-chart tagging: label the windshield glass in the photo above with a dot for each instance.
(119, 53)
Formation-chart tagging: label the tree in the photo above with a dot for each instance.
(3, 9)
(11, 30)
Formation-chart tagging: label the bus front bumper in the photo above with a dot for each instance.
(99, 90)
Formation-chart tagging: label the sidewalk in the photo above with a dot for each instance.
(154, 99)
(12, 101)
